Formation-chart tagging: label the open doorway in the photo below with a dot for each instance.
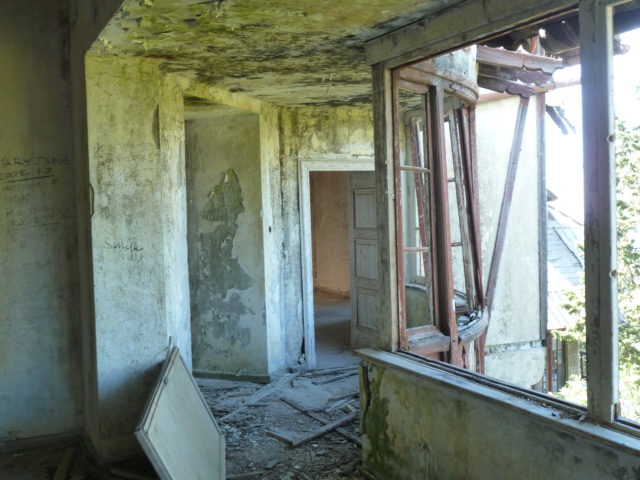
(330, 261)
(326, 187)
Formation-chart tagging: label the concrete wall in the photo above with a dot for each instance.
(40, 386)
(226, 265)
(422, 423)
(513, 351)
(136, 142)
(308, 132)
(330, 231)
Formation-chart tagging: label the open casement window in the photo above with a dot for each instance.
(438, 252)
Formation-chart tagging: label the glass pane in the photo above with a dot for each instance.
(412, 135)
(456, 237)
(448, 150)
(418, 289)
(414, 151)
(415, 209)
(459, 283)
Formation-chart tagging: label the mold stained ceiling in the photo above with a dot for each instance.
(289, 52)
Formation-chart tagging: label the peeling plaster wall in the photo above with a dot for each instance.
(136, 135)
(330, 231)
(226, 266)
(433, 425)
(40, 389)
(309, 132)
(513, 350)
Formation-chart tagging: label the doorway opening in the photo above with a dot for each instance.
(330, 260)
(326, 208)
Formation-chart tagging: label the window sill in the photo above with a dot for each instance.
(537, 406)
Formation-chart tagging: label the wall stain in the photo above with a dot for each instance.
(221, 272)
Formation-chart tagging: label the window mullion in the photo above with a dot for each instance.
(600, 210)
(462, 207)
(435, 133)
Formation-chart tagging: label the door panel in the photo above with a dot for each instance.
(363, 238)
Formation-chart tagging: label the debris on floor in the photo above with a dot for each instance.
(312, 415)
(296, 404)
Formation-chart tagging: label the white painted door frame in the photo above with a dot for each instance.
(323, 163)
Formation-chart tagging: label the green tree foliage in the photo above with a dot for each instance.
(628, 246)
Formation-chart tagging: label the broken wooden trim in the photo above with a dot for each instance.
(503, 219)
(335, 379)
(473, 330)
(65, 464)
(499, 57)
(429, 75)
(514, 75)
(345, 395)
(297, 440)
(345, 433)
(506, 86)
(261, 393)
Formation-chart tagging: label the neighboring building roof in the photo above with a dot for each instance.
(565, 265)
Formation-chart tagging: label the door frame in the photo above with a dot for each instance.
(319, 163)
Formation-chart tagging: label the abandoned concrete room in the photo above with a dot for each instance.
(308, 240)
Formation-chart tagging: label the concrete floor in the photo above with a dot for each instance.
(333, 330)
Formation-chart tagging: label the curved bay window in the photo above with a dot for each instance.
(439, 264)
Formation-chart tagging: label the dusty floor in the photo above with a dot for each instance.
(257, 420)
(252, 446)
(260, 413)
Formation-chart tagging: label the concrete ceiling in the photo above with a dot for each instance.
(292, 52)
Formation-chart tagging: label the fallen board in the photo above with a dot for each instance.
(177, 431)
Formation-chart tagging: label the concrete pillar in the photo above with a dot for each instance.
(40, 381)
(138, 227)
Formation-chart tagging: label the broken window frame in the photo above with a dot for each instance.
(474, 23)
(444, 339)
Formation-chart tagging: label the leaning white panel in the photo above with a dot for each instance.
(177, 431)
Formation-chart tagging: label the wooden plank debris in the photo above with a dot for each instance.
(261, 394)
(248, 475)
(326, 371)
(335, 379)
(344, 395)
(345, 433)
(297, 440)
(65, 464)
(118, 472)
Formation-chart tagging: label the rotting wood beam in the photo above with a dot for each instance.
(514, 74)
(506, 86)
(464, 24)
(500, 57)
(342, 431)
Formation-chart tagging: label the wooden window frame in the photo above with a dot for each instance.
(476, 21)
(443, 340)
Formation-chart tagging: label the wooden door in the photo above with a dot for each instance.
(363, 239)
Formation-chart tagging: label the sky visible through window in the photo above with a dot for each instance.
(564, 152)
